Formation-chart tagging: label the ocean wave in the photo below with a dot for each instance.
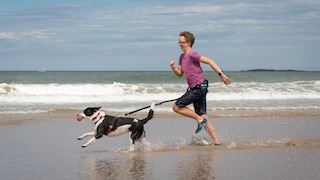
(5, 89)
(139, 92)
(213, 111)
(200, 142)
(274, 143)
(122, 97)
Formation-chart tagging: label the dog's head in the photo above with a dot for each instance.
(90, 112)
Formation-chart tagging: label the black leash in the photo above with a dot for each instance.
(148, 107)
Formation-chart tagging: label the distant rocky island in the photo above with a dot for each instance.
(262, 70)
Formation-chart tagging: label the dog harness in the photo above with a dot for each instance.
(108, 130)
(98, 118)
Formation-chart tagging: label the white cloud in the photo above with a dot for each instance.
(7, 35)
(38, 34)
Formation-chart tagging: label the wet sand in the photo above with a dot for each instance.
(44, 146)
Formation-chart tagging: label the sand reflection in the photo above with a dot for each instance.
(197, 165)
(121, 166)
(196, 162)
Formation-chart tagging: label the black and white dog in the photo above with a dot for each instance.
(114, 126)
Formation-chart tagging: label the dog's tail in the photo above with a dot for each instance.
(137, 127)
(150, 115)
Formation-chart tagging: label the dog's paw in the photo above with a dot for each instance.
(83, 146)
(79, 138)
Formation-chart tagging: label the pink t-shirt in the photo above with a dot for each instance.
(190, 65)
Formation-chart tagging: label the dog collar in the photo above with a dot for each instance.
(97, 118)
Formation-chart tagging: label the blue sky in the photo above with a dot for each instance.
(143, 34)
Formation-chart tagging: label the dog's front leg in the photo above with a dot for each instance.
(97, 135)
(92, 140)
(86, 134)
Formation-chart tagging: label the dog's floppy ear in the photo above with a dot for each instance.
(91, 110)
(97, 108)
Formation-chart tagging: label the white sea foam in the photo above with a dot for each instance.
(117, 92)
(241, 95)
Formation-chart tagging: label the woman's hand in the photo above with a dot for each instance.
(172, 63)
(225, 79)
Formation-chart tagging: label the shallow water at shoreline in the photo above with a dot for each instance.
(44, 146)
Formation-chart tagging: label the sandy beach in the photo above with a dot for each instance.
(45, 146)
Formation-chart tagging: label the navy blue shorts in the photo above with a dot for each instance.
(195, 96)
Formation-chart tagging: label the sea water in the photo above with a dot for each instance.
(40, 145)
(284, 92)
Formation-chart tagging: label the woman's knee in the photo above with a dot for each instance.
(175, 108)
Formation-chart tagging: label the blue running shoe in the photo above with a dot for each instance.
(201, 125)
